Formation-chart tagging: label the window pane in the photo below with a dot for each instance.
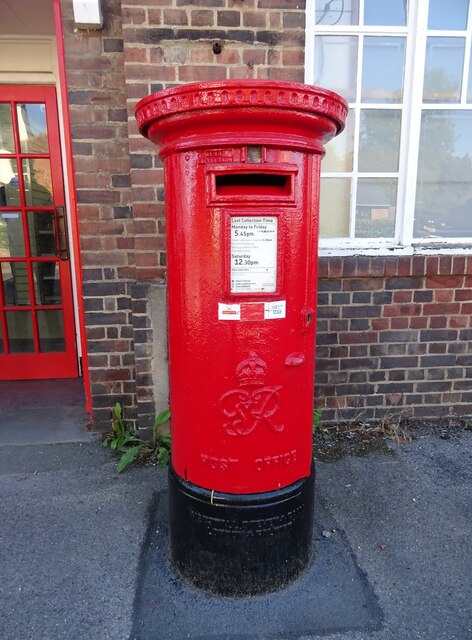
(11, 235)
(340, 150)
(376, 207)
(379, 141)
(336, 64)
(15, 284)
(7, 144)
(9, 191)
(337, 12)
(335, 194)
(32, 128)
(391, 13)
(443, 69)
(444, 187)
(51, 330)
(38, 184)
(47, 286)
(448, 15)
(469, 82)
(382, 69)
(42, 233)
(20, 331)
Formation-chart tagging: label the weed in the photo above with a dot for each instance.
(316, 420)
(123, 440)
(360, 435)
(391, 427)
(161, 441)
(122, 435)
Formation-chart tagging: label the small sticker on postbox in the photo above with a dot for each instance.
(252, 311)
(247, 311)
(229, 311)
(274, 310)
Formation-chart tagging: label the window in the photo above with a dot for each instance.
(400, 175)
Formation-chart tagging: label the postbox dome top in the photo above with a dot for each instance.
(231, 103)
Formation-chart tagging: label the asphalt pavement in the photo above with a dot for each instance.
(84, 551)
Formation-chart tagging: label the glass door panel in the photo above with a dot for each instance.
(38, 182)
(47, 283)
(7, 144)
(32, 128)
(20, 331)
(51, 330)
(9, 187)
(12, 243)
(15, 284)
(37, 336)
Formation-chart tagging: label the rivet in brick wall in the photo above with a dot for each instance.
(250, 64)
(217, 48)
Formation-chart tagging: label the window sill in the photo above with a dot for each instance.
(424, 249)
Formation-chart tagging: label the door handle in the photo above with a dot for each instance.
(63, 244)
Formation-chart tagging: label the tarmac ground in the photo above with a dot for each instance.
(84, 549)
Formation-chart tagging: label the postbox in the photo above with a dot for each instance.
(242, 165)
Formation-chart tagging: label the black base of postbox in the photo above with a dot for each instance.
(240, 545)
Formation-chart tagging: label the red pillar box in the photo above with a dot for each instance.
(242, 166)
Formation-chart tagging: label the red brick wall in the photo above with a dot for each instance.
(96, 90)
(168, 42)
(394, 337)
(394, 333)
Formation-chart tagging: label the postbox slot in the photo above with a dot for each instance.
(266, 184)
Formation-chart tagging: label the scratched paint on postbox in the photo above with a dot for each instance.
(253, 254)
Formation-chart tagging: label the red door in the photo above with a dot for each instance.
(37, 336)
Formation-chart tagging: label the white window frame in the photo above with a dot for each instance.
(416, 34)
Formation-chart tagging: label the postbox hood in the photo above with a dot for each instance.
(311, 114)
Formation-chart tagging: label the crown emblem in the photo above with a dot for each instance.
(252, 402)
(251, 371)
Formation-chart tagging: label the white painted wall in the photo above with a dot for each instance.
(28, 60)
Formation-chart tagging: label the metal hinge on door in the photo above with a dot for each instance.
(63, 249)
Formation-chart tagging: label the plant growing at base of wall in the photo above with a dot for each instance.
(124, 440)
(161, 441)
(316, 422)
